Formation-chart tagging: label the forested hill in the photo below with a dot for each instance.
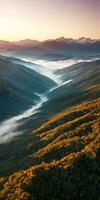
(61, 160)
(18, 87)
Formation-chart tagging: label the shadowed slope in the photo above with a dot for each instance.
(18, 87)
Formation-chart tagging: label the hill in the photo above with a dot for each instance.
(61, 158)
(85, 86)
(19, 86)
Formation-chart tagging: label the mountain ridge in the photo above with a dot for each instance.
(53, 49)
(18, 87)
(64, 39)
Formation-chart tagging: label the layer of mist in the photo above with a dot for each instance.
(8, 128)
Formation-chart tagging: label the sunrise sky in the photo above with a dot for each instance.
(43, 19)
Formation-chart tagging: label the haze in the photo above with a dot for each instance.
(49, 19)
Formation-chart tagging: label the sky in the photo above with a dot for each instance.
(47, 19)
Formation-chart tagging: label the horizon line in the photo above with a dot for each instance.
(48, 39)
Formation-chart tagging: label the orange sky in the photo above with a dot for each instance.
(42, 19)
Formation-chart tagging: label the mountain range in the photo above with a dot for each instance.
(50, 120)
(54, 49)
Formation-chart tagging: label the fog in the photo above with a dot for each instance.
(48, 68)
(8, 128)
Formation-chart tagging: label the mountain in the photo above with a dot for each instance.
(80, 83)
(5, 44)
(57, 156)
(26, 43)
(84, 86)
(60, 159)
(19, 86)
(54, 49)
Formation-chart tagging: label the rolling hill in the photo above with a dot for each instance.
(19, 87)
(85, 85)
(61, 158)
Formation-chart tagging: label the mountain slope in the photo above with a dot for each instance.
(85, 85)
(64, 158)
(59, 159)
(18, 87)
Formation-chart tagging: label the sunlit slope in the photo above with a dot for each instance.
(18, 87)
(85, 86)
(63, 158)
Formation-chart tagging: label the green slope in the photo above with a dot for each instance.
(85, 86)
(18, 87)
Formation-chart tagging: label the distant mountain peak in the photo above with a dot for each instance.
(26, 42)
(61, 39)
(86, 40)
